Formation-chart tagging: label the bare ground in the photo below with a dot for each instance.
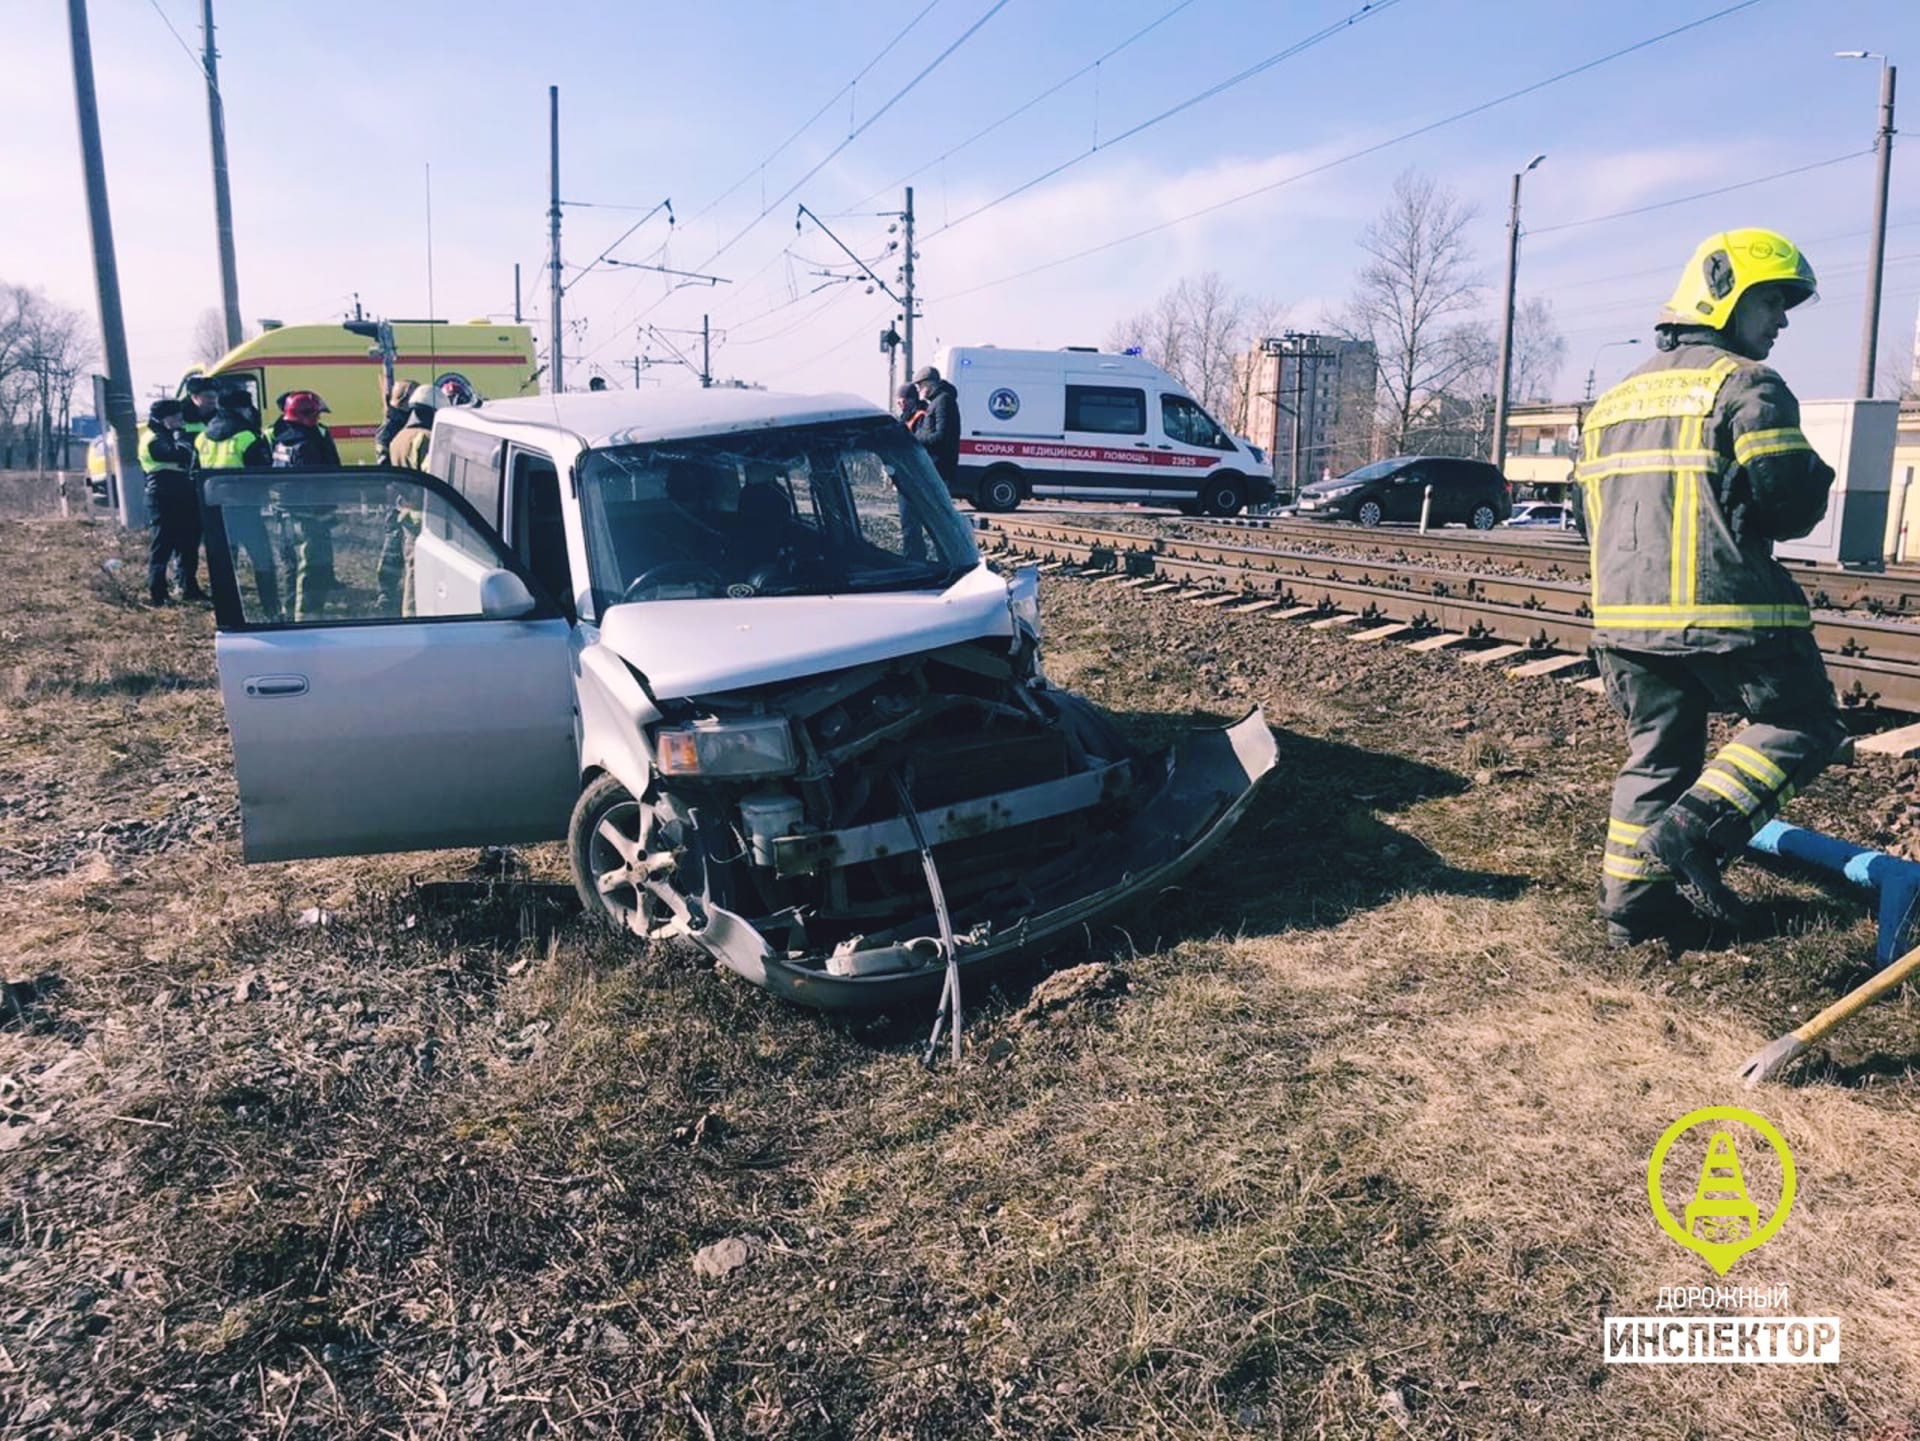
(1349, 1141)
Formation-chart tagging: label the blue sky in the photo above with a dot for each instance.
(336, 113)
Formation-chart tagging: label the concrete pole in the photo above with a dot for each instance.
(907, 277)
(1506, 334)
(553, 231)
(1876, 254)
(222, 196)
(706, 354)
(516, 292)
(106, 277)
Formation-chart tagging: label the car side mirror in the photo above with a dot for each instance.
(504, 596)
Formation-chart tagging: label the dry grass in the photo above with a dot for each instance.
(1358, 1152)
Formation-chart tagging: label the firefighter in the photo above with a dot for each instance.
(166, 455)
(394, 569)
(232, 441)
(301, 442)
(398, 394)
(1690, 470)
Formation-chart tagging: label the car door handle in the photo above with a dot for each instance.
(1141, 445)
(267, 686)
(1163, 447)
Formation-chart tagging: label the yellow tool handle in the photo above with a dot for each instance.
(1861, 995)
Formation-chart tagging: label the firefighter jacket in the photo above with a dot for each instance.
(1691, 468)
(303, 447)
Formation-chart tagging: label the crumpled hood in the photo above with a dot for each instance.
(701, 647)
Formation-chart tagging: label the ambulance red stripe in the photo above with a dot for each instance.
(987, 451)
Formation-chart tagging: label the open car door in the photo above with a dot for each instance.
(392, 679)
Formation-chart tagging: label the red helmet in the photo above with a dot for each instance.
(454, 390)
(303, 407)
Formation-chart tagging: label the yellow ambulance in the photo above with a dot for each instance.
(350, 365)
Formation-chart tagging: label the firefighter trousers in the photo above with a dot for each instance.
(1793, 727)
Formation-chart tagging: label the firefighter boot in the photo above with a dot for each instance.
(1684, 841)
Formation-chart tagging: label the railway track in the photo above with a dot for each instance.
(1874, 662)
(1892, 591)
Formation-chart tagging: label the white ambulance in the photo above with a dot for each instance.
(1087, 425)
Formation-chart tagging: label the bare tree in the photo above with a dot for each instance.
(1410, 301)
(44, 349)
(209, 336)
(1195, 331)
(1539, 350)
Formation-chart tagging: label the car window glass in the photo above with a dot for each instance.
(1107, 409)
(1184, 421)
(807, 510)
(327, 548)
(469, 461)
(539, 527)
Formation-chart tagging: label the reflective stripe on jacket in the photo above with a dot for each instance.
(1691, 468)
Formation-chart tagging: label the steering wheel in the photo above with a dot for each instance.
(670, 571)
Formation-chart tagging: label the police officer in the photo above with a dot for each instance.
(232, 441)
(202, 398)
(166, 456)
(1691, 469)
(301, 442)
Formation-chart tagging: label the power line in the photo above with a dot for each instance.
(1373, 149)
(1015, 114)
(862, 128)
(198, 63)
(1374, 7)
(855, 134)
(808, 123)
(1697, 195)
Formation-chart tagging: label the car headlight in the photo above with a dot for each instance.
(724, 749)
(1023, 597)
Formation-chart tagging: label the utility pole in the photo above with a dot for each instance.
(553, 228)
(636, 372)
(906, 340)
(1506, 330)
(1876, 255)
(222, 196)
(106, 275)
(516, 292)
(706, 355)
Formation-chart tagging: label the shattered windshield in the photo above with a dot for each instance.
(807, 510)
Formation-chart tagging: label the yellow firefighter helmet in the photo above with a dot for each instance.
(1726, 266)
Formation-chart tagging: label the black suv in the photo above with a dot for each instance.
(1470, 492)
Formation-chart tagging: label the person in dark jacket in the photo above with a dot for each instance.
(232, 441)
(939, 432)
(1690, 470)
(907, 406)
(301, 442)
(166, 455)
(198, 410)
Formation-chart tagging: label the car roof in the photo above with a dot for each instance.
(625, 417)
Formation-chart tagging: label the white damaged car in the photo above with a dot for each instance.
(737, 648)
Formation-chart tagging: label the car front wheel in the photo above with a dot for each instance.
(612, 841)
(1369, 513)
(1484, 517)
(1223, 496)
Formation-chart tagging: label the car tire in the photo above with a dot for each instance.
(606, 836)
(1483, 517)
(1000, 491)
(1223, 495)
(1369, 513)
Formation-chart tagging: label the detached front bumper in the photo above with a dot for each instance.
(1204, 785)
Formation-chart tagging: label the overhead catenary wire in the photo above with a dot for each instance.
(1536, 230)
(198, 64)
(861, 129)
(1259, 67)
(1054, 89)
(810, 121)
(1349, 157)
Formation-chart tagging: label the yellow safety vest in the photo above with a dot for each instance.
(228, 454)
